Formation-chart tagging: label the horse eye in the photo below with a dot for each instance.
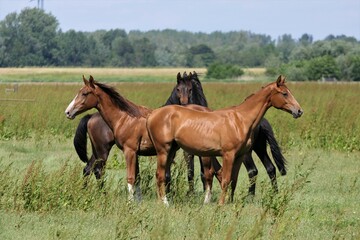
(285, 94)
(85, 93)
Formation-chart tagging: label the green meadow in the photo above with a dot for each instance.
(42, 194)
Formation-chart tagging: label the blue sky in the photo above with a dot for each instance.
(318, 18)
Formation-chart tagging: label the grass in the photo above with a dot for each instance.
(318, 199)
(29, 74)
(41, 185)
(105, 74)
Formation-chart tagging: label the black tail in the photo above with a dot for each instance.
(80, 139)
(279, 159)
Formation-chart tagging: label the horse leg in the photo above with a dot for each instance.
(190, 168)
(234, 175)
(160, 176)
(89, 166)
(216, 167)
(102, 150)
(252, 172)
(208, 177)
(269, 166)
(228, 162)
(131, 162)
(170, 160)
(87, 170)
(137, 180)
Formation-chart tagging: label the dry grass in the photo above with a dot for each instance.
(102, 71)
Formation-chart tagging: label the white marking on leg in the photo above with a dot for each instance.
(165, 201)
(207, 195)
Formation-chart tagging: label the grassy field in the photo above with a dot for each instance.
(18, 75)
(41, 187)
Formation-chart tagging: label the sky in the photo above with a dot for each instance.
(319, 18)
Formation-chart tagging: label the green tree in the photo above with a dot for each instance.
(285, 45)
(123, 51)
(322, 67)
(74, 48)
(199, 56)
(144, 52)
(355, 68)
(28, 39)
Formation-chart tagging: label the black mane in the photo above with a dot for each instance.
(198, 96)
(124, 104)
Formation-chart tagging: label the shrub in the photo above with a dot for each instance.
(222, 71)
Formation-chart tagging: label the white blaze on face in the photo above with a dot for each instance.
(69, 108)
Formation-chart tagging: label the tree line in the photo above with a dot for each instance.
(34, 38)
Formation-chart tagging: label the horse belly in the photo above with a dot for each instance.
(198, 143)
(203, 152)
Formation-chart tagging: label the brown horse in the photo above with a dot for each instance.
(227, 133)
(126, 120)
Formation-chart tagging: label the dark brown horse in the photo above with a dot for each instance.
(126, 120)
(227, 133)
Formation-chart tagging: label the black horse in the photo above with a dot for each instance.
(188, 90)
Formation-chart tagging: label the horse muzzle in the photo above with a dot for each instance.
(69, 116)
(298, 113)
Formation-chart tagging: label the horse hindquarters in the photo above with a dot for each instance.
(102, 140)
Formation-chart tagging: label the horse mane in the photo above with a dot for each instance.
(197, 91)
(125, 105)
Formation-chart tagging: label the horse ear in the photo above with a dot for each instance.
(86, 82)
(190, 75)
(184, 75)
(280, 81)
(92, 82)
(178, 77)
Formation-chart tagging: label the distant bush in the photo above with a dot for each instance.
(223, 71)
(295, 71)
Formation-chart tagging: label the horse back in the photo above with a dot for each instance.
(184, 124)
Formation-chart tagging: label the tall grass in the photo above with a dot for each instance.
(42, 193)
(316, 200)
(331, 119)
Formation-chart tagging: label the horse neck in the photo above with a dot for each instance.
(173, 99)
(255, 107)
(109, 111)
(198, 96)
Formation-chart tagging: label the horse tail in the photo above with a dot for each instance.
(279, 159)
(80, 139)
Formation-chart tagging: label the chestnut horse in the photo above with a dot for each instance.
(227, 132)
(126, 120)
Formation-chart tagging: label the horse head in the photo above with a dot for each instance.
(183, 88)
(284, 100)
(84, 100)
